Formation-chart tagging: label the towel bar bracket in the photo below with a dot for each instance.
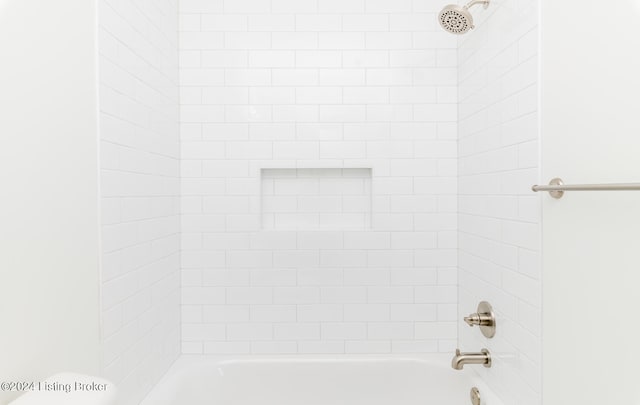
(557, 194)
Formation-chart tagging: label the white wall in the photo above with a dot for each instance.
(499, 219)
(48, 172)
(140, 191)
(308, 84)
(590, 133)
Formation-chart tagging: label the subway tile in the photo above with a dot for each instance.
(201, 40)
(294, 40)
(226, 348)
(344, 331)
(249, 295)
(274, 347)
(367, 312)
(215, 277)
(294, 77)
(220, 22)
(296, 331)
(342, 77)
(249, 331)
(390, 330)
(365, 22)
(390, 295)
(342, 6)
(318, 22)
(319, 240)
(414, 312)
(343, 258)
(271, 22)
(389, 40)
(321, 347)
(341, 40)
(415, 346)
(381, 6)
(295, 150)
(318, 95)
(369, 276)
(225, 313)
(224, 59)
(368, 347)
(203, 295)
(319, 277)
(296, 258)
(273, 313)
(365, 58)
(294, 6)
(320, 313)
(437, 330)
(296, 295)
(366, 95)
(343, 295)
(412, 22)
(201, 6)
(247, 6)
(273, 277)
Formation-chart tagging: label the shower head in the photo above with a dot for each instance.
(457, 19)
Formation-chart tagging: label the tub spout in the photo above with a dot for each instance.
(460, 359)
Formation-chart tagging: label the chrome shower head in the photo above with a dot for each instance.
(457, 19)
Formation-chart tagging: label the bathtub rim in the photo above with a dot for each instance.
(187, 362)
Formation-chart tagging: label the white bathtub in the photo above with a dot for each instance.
(316, 380)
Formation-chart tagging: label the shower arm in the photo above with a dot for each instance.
(485, 3)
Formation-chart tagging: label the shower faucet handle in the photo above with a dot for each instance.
(484, 318)
(478, 319)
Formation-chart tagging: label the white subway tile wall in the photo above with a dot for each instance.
(499, 216)
(139, 142)
(272, 88)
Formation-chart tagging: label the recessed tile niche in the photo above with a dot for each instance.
(310, 199)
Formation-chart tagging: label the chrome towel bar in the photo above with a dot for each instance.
(556, 187)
